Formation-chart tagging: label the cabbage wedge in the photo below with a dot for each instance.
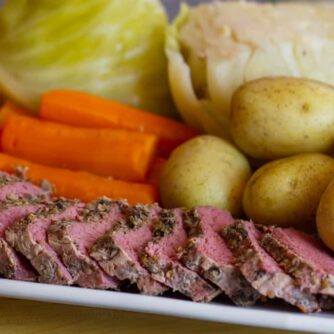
(110, 48)
(214, 48)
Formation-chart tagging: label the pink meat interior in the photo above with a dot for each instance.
(20, 189)
(211, 244)
(39, 228)
(23, 269)
(170, 244)
(86, 233)
(268, 263)
(133, 241)
(38, 232)
(10, 215)
(213, 219)
(307, 247)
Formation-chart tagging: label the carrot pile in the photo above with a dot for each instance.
(84, 110)
(83, 185)
(86, 146)
(122, 154)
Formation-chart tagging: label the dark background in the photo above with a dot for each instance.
(173, 5)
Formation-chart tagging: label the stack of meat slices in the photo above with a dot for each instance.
(200, 253)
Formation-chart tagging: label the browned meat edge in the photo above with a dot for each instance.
(228, 277)
(296, 267)
(252, 266)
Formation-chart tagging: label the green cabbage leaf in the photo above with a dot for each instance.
(111, 48)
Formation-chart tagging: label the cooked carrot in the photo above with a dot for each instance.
(125, 155)
(81, 109)
(81, 185)
(10, 108)
(154, 173)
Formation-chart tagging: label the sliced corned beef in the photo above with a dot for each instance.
(12, 186)
(261, 270)
(302, 256)
(72, 239)
(161, 258)
(28, 236)
(17, 198)
(117, 252)
(208, 254)
(12, 264)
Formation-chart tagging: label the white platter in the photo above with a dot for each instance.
(271, 316)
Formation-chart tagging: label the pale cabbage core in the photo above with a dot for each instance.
(221, 45)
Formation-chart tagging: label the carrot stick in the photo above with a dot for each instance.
(125, 155)
(154, 173)
(81, 185)
(9, 108)
(81, 109)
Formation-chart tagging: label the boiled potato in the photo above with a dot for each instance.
(286, 192)
(278, 117)
(206, 170)
(325, 216)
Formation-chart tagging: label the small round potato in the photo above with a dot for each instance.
(274, 118)
(287, 192)
(206, 170)
(325, 216)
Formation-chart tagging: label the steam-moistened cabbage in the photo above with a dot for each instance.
(214, 48)
(111, 48)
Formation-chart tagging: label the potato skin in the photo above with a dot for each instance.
(206, 170)
(286, 192)
(274, 118)
(325, 216)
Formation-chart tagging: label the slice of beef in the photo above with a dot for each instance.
(12, 264)
(118, 251)
(161, 258)
(12, 186)
(208, 254)
(261, 270)
(303, 256)
(17, 198)
(29, 236)
(72, 239)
